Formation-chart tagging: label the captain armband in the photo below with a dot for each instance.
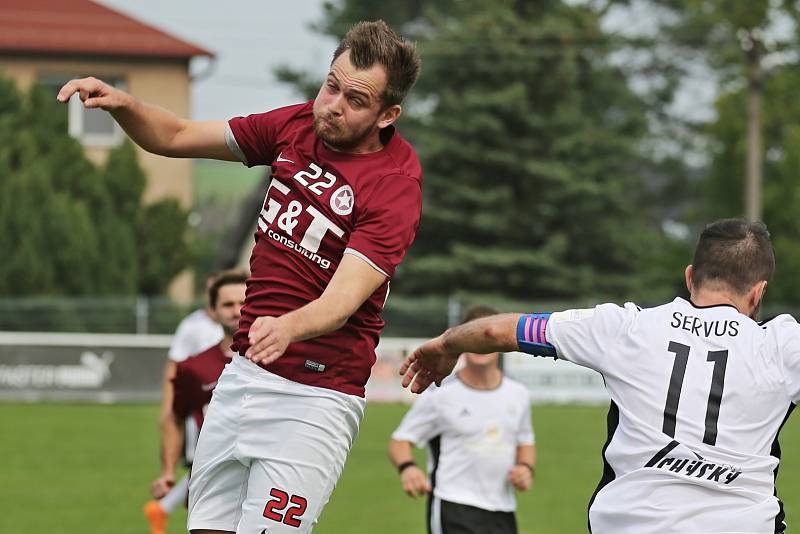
(532, 335)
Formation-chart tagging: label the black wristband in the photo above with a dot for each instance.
(405, 465)
(529, 466)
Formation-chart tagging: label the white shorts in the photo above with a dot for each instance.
(270, 452)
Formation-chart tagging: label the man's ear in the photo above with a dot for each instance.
(389, 116)
(688, 274)
(758, 293)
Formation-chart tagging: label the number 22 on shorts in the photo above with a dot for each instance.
(280, 500)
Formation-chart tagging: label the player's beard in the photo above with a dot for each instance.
(333, 132)
(230, 328)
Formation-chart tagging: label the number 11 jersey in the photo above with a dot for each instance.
(698, 397)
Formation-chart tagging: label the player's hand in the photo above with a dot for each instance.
(162, 485)
(427, 365)
(94, 93)
(269, 338)
(414, 482)
(521, 477)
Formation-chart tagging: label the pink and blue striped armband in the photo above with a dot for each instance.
(532, 335)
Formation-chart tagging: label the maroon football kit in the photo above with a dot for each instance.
(320, 205)
(194, 381)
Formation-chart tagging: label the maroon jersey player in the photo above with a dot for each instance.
(323, 206)
(341, 211)
(195, 379)
(190, 390)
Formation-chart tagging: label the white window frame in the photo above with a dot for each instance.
(75, 123)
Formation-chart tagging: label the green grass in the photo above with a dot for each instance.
(87, 469)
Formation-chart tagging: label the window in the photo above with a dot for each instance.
(92, 127)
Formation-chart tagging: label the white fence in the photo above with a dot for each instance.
(124, 368)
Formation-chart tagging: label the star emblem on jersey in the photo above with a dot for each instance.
(342, 200)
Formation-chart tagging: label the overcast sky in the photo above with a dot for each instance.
(250, 38)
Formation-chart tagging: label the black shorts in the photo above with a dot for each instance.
(454, 518)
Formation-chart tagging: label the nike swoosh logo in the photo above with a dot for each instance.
(281, 159)
(208, 387)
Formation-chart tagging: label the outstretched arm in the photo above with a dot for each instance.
(434, 360)
(154, 129)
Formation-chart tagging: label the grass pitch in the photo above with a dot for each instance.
(87, 469)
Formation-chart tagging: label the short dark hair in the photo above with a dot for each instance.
(476, 312)
(224, 278)
(374, 42)
(733, 252)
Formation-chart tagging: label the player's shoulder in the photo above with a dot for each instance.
(781, 329)
(687, 307)
(778, 322)
(605, 312)
(450, 386)
(450, 383)
(515, 387)
(196, 317)
(402, 158)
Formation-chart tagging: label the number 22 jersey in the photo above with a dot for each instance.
(698, 397)
(320, 205)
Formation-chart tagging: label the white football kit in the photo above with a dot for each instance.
(472, 437)
(698, 397)
(270, 452)
(195, 333)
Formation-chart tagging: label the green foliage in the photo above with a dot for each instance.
(160, 239)
(68, 227)
(722, 189)
(715, 31)
(531, 144)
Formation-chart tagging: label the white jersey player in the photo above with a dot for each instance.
(195, 333)
(477, 428)
(699, 390)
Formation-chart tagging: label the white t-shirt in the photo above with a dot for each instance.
(698, 396)
(195, 333)
(472, 437)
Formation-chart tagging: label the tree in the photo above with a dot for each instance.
(781, 192)
(739, 41)
(532, 149)
(68, 227)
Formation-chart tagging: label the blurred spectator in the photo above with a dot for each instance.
(480, 447)
(189, 391)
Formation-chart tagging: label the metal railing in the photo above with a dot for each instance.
(405, 316)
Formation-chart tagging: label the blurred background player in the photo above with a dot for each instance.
(190, 390)
(195, 333)
(699, 390)
(342, 208)
(480, 447)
